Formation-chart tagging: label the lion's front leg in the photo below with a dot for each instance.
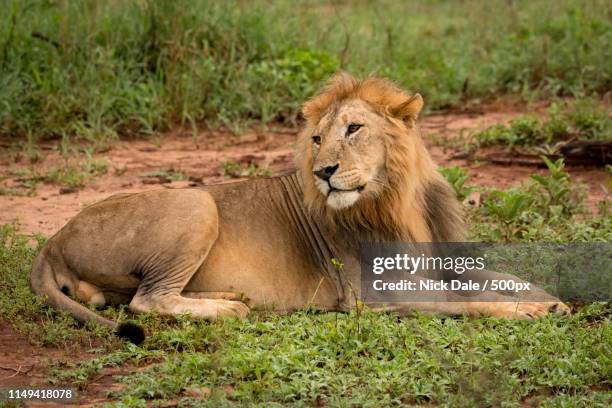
(488, 304)
(517, 309)
(531, 304)
(505, 309)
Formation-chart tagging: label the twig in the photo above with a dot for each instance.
(513, 160)
(42, 37)
(98, 378)
(315, 292)
(468, 154)
(16, 370)
(10, 368)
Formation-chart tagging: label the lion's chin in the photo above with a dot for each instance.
(339, 200)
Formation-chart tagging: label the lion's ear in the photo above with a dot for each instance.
(409, 109)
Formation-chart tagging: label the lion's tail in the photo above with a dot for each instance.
(43, 283)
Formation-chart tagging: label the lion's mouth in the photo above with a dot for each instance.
(342, 190)
(340, 198)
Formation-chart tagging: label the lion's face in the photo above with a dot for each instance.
(364, 167)
(349, 154)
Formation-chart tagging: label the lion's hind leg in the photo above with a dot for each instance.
(163, 282)
(182, 242)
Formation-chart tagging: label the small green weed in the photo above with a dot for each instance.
(165, 175)
(233, 169)
(76, 174)
(79, 374)
(558, 188)
(521, 131)
(457, 177)
(506, 207)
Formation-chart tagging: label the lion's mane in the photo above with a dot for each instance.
(417, 205)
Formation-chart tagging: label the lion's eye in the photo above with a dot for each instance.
(316, 139)
(352, 128)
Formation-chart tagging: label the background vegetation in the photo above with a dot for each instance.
(98, 69)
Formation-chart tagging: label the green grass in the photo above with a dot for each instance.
(355, 359)
(98, 70)
(308, 358)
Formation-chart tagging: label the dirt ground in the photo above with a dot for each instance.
(201, 161)
(23, 365)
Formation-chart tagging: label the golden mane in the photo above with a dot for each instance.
(418, 205)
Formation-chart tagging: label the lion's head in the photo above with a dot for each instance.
(364, 165)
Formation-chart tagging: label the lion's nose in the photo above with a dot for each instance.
(326, 172)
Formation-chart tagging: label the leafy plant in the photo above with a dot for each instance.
(457, 177)
(581, 119)
(546, 208)
(556, 186)
(507, 207)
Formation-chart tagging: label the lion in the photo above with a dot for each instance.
(363, 174)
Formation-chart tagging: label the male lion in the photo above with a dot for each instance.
(363, 174)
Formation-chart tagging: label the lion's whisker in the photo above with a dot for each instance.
(380, 182)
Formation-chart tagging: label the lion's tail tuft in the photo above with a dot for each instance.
(131, 331)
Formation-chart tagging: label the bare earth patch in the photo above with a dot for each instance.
(23, 365)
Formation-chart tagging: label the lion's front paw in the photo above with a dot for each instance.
(529, 310)
(559, 308)
(232, 308)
